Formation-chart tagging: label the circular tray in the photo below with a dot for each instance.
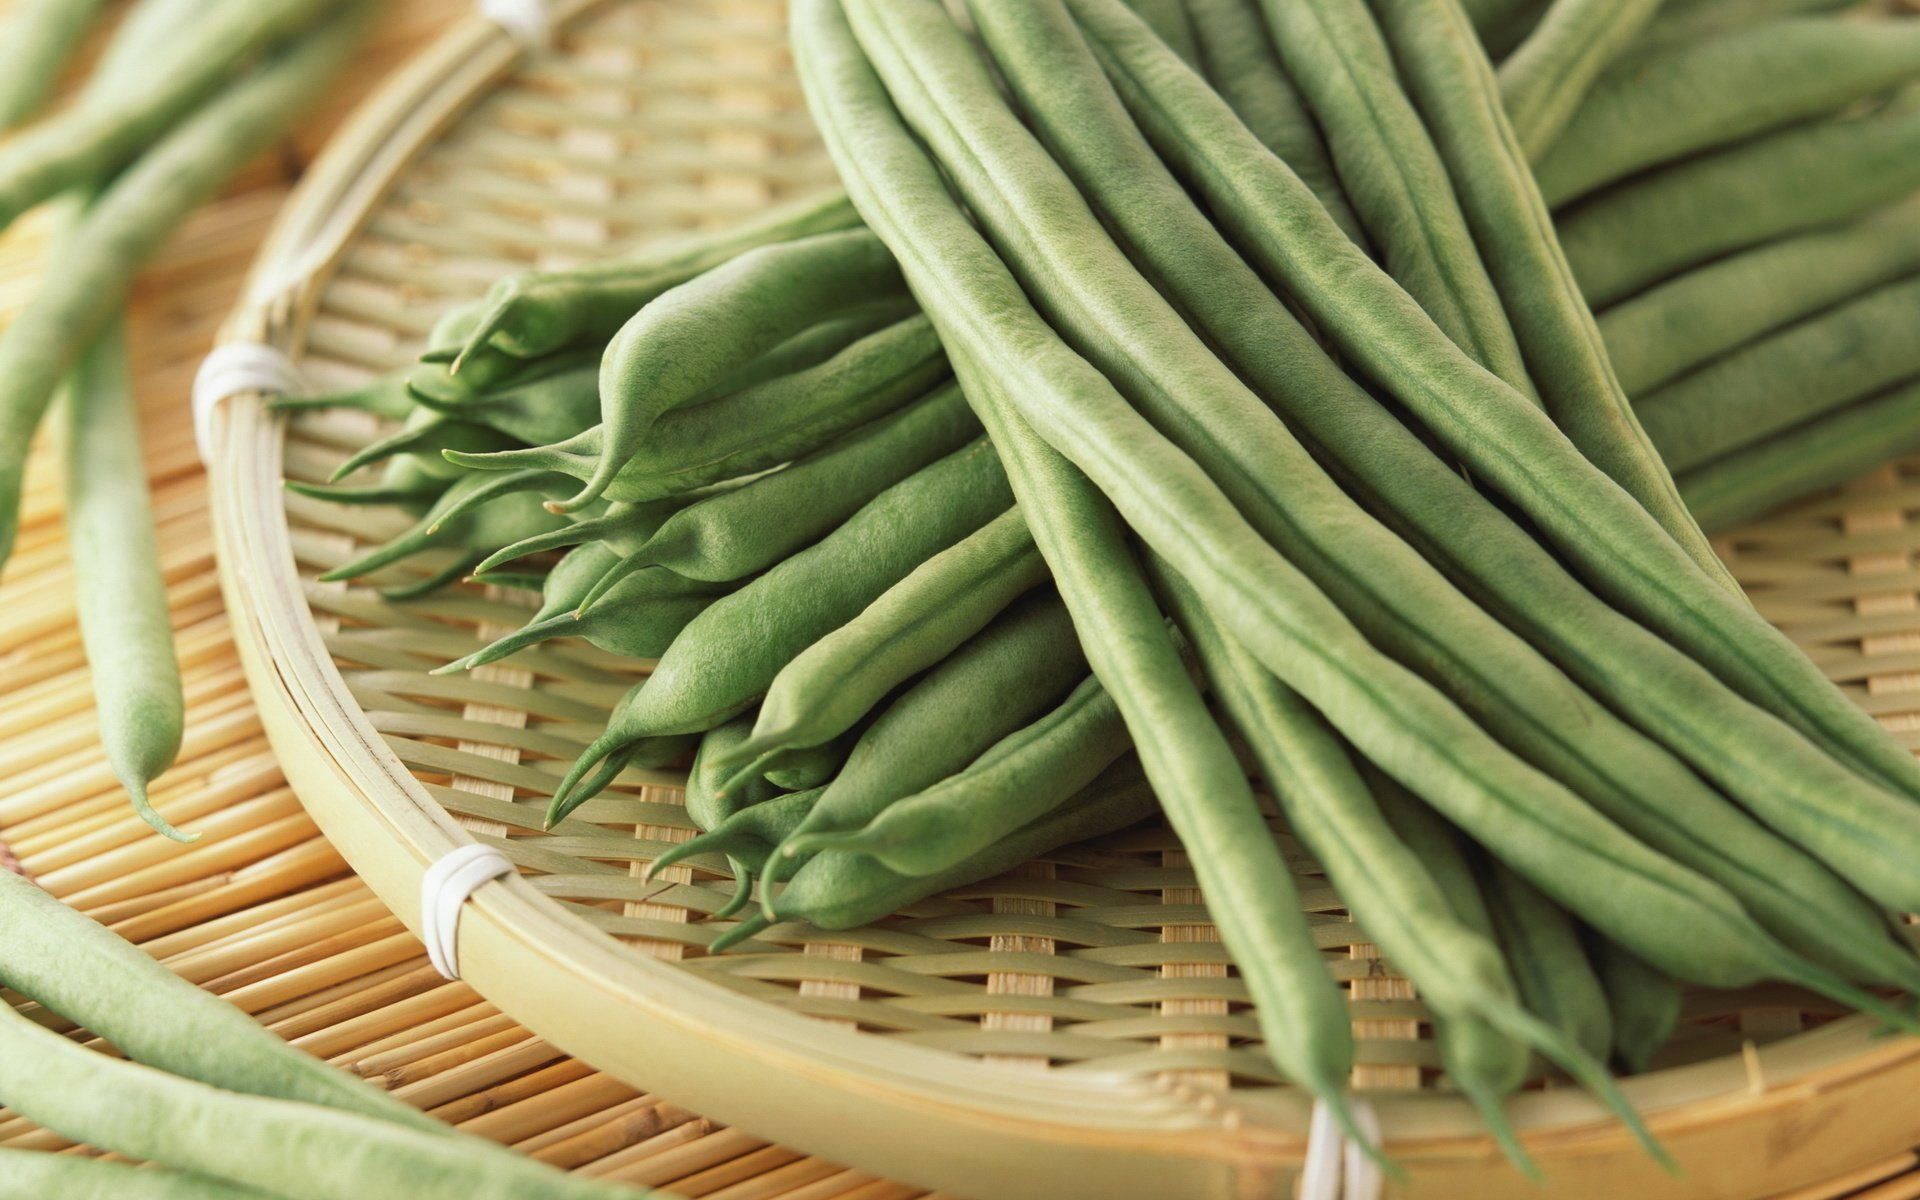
(1069, 1030)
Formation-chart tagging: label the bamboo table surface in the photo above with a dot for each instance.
(262, 910)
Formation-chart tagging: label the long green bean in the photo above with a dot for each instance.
(39, 35)
(36, 1175)
(1543, 947)
(1547, 76)
(1644, 1002)
(122, 228)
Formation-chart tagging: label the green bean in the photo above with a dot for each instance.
(1008, 674)
(746, 837)
(1677, 325)
(762, 426)
(1392, 174)
(36, 1175)
(1822, 453)
(544, 406)
(1645, 1003)
(710, 807)
(120, 594)
(538, 312)
(1549, 963)
(840, 891)
(431, 384)
(806, 767)
(1544, 80)
(1019, 779)
(725, 658)
(130, 219)
(90, 140)
(673, 349)
(525, 581)
(749, 528)
(424, 440)
(815, 344)
(1627, 238)
(914, 624)
(300, 1151)
(1394, 597)
(87, 974)
(1454, 87)
(1683, 99)
(1238, 56)
(1609, 539)
(39, 35)
(1681, 21)
(638, 619)
(1502, 24)
(1261, 599)
(1173, 23)
(383, 396)
(1327, 804)
(620, 530)
(1786, 378)
(477, 513)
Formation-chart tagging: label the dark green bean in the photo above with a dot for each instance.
(1335, 55)
(1543, 948)
(1686, 98)
(1823, 453)
(1611, 540)
(724, 660)
(911, 626)
(1019, 779)
(1622, 240)
(132, 216)
(1644, 1002)
(1547, 76)
(1677, 325)
(1237, 54)
(1008, 674)
(120, 594)
(538, 312)
(1453, 84)
(674, 349)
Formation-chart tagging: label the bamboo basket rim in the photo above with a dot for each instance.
(772, 1070)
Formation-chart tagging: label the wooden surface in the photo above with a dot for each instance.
(262, 910)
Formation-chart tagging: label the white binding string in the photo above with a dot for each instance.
(1320, 1174)
(1363, 1180)
(233, 369)
(531, 21)
(446, 885)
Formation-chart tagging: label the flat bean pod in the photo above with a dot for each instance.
(725, 658)
(1627, 238)
(1613, 543)
(674, 348)
(1795, 375)
(1675, 326)
(1681, 99)
(911, 626)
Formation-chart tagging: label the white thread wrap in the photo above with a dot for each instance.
(1336, 1167)
(447, 885)
(233, 369)
(530, 21)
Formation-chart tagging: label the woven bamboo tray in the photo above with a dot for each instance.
(1072, 1029)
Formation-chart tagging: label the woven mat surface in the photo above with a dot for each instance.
(262, 910)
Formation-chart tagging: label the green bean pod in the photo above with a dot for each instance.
(383, 396)
(1675, 326)
(1392, 174)
(1683, 99)
(911, 626)
(1792, 376)
(477, 513)
(124, 226)
(673, 349)
(746, 837)
(40, 35)
(538, 312)
(1454, 87)
(1503, 24)
(1544, 80)
(1543, 948)
(1018, 779)
(638, 619)
(120, 593)
(1259, 597)
(1237, 55)
(725, 658)
(749, 528)
(1611, 541)
(1627, 238)
(84, 972)
(425, 439)
(1823, 453)
(710, 808)
(538, 407)
(991, 686)
(1645, 1003)
(286, 1148)
(1173, 23)
(432, 384)
(37, 1174)
(1683, 21)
